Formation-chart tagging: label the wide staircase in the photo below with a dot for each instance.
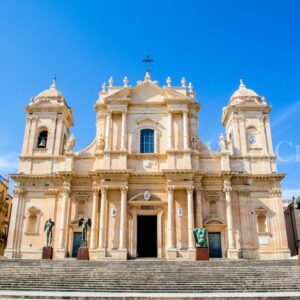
(144, 277)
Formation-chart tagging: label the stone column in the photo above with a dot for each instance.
(102, 218)
(170, 129)
(107, 130)
(199, 218)
(123, 135)
(185, 130)
(191, 223)
(268, 132)
(243, 135)
(236, 131)
(263, 135)
(231, 240)
(171, 244)
(15, 225)
(64, 214)
(279, 236)
(94, 230)
(123, 219)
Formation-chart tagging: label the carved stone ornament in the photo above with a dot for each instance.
(147, 195)
(70, 144)
(100, 143)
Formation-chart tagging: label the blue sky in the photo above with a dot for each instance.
(211, 43)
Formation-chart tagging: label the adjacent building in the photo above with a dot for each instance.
(147, 180)
(5, 211)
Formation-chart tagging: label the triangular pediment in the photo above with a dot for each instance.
(147, 92)
(120, 94)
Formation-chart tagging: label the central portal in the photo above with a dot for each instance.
(146, 236)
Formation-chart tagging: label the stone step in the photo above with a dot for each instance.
(145, 276)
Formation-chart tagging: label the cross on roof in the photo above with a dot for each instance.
(148, 60)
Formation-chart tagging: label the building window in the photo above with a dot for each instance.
(262, 220)
(147, 141)
(261, 223)
(42, 139)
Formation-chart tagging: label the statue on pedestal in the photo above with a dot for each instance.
(48, 228)
(48, 250)
(200, 237)
(202, 251)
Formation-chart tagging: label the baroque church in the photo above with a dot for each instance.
(146, 181)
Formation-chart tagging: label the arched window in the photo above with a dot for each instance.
(147, 141)
(42, 139)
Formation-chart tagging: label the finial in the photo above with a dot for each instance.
(110, 81)
(147, 76)
(190, 87)
(104, 87)
(53, 85)
(169, 81)
(242, 83)
(125, 81)
(183, 82)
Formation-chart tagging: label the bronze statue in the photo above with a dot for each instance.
(48, 228)
(200, 237)
(84, 223)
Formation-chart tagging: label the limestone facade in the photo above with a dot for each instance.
(147, 160)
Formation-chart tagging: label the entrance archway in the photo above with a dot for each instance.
(216, 237)
(147, 236)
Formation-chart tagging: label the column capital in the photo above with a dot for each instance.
(66, 187)
(124, 111)
(189, 189)
(18, 192)
(104, 189)
(227, 186)
(51, 193)
(275, 192)
(124, 189)
(185, 110)
(95, 190)
(170, 189)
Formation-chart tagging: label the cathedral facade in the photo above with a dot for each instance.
(147, 180)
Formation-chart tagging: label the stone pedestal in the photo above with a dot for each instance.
(232, 254)
(171, 254)
(202, 253)
(83, 254)
(122, 254)
(100, 253)
(47, 252)
(298, 263)
(192, 253)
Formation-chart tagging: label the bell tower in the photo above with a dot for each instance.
(247, 127)
(48, 122)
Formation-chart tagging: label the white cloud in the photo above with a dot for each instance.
(287, 113)
(290, 193)
(8, 163)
